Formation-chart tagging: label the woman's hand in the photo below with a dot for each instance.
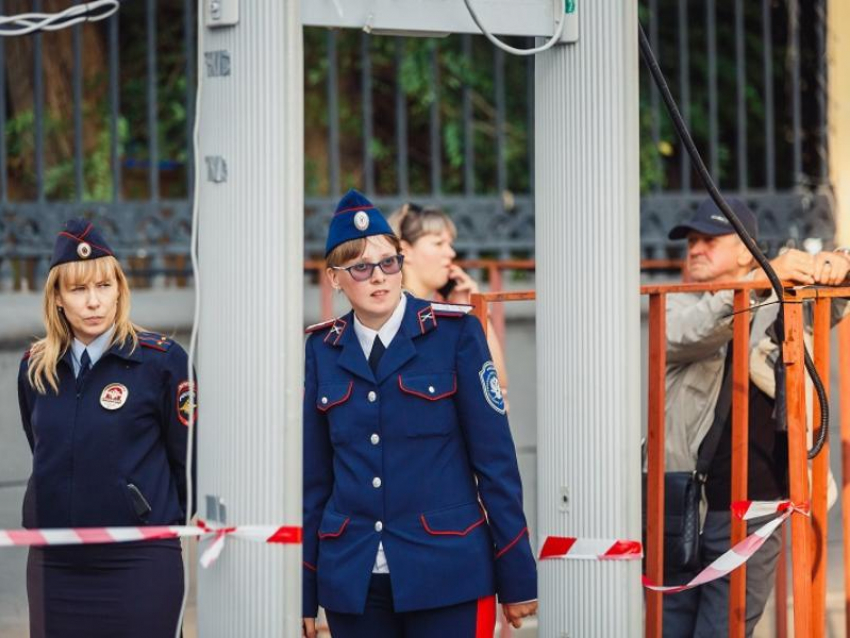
(465, 286)
(514, 613)
(308, 628)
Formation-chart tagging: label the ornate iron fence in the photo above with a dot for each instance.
(446, 122)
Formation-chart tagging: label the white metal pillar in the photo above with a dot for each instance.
(588, 318)
(250, 347)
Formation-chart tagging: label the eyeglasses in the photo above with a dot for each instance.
(363, 271)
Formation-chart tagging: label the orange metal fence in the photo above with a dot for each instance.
(808, 534)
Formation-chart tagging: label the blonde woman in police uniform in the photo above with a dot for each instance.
(413, 520)
(105, 409)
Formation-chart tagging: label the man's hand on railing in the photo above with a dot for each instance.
(831, 268)
(792, 265)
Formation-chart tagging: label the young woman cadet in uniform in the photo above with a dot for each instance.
(412, 499)
(106, 410)
(427, 236)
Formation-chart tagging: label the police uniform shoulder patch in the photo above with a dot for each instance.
(491, 387)
(451, 309)
(187, 402)
(318, 326)
(155, 341)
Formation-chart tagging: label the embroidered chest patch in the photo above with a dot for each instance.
(114, 396)
(491, 386)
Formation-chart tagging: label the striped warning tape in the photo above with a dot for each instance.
(572, 548)
(90, 535)
(740, 553)
(589, 549)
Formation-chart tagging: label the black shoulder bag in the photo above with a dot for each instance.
(683, 490)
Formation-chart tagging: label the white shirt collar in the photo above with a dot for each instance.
(366, 336)
(96, 348)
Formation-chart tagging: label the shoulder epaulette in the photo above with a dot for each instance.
(318, 326)
(155, 341)
(451, 309)
(337, 328)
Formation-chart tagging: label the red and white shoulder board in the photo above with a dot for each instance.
(318, 326)
(451, 309)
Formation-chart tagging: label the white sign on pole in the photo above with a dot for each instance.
(442, 17)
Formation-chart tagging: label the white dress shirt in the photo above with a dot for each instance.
(96, 349)
(366, 337)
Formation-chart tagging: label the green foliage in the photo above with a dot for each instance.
(59, 177)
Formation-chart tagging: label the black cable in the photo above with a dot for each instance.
(749, 242)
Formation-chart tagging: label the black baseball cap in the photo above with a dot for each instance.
(709, 220)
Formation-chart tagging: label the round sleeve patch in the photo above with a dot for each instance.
(491, 386)
(186, 402)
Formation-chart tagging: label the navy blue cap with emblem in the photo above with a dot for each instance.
(79, 241)
(708, 219)
(355, 217)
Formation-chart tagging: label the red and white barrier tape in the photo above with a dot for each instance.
(566, 547)
(90, 535)
(589, 549)
(740, 553)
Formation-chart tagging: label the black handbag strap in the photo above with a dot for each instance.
(708, 448)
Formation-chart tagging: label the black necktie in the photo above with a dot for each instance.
(378, 350)
(85, 366)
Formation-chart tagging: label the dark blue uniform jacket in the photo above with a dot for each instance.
(94, 466)
(448, 502)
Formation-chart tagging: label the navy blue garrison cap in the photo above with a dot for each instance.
(79, 241)
(709, 220)
(355, 217)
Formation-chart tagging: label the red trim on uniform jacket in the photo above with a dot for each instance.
(512, 543)
(312, 568)
(325, 408)
(427, 310)
(430, 397)
(336, 533)
(485, 617)
(450, 532)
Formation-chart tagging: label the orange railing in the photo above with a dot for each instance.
(495, 269)
(808, 534)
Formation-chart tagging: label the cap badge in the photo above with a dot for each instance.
(84, 250)
(361, 220)
(114, 396)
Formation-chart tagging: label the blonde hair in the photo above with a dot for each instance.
(46, 353)
(354, 248)
(411, 222)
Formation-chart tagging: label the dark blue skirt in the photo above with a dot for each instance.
(131, 590)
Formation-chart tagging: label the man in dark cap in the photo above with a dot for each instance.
(699, 334)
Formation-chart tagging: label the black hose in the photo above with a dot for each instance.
(749, 242)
